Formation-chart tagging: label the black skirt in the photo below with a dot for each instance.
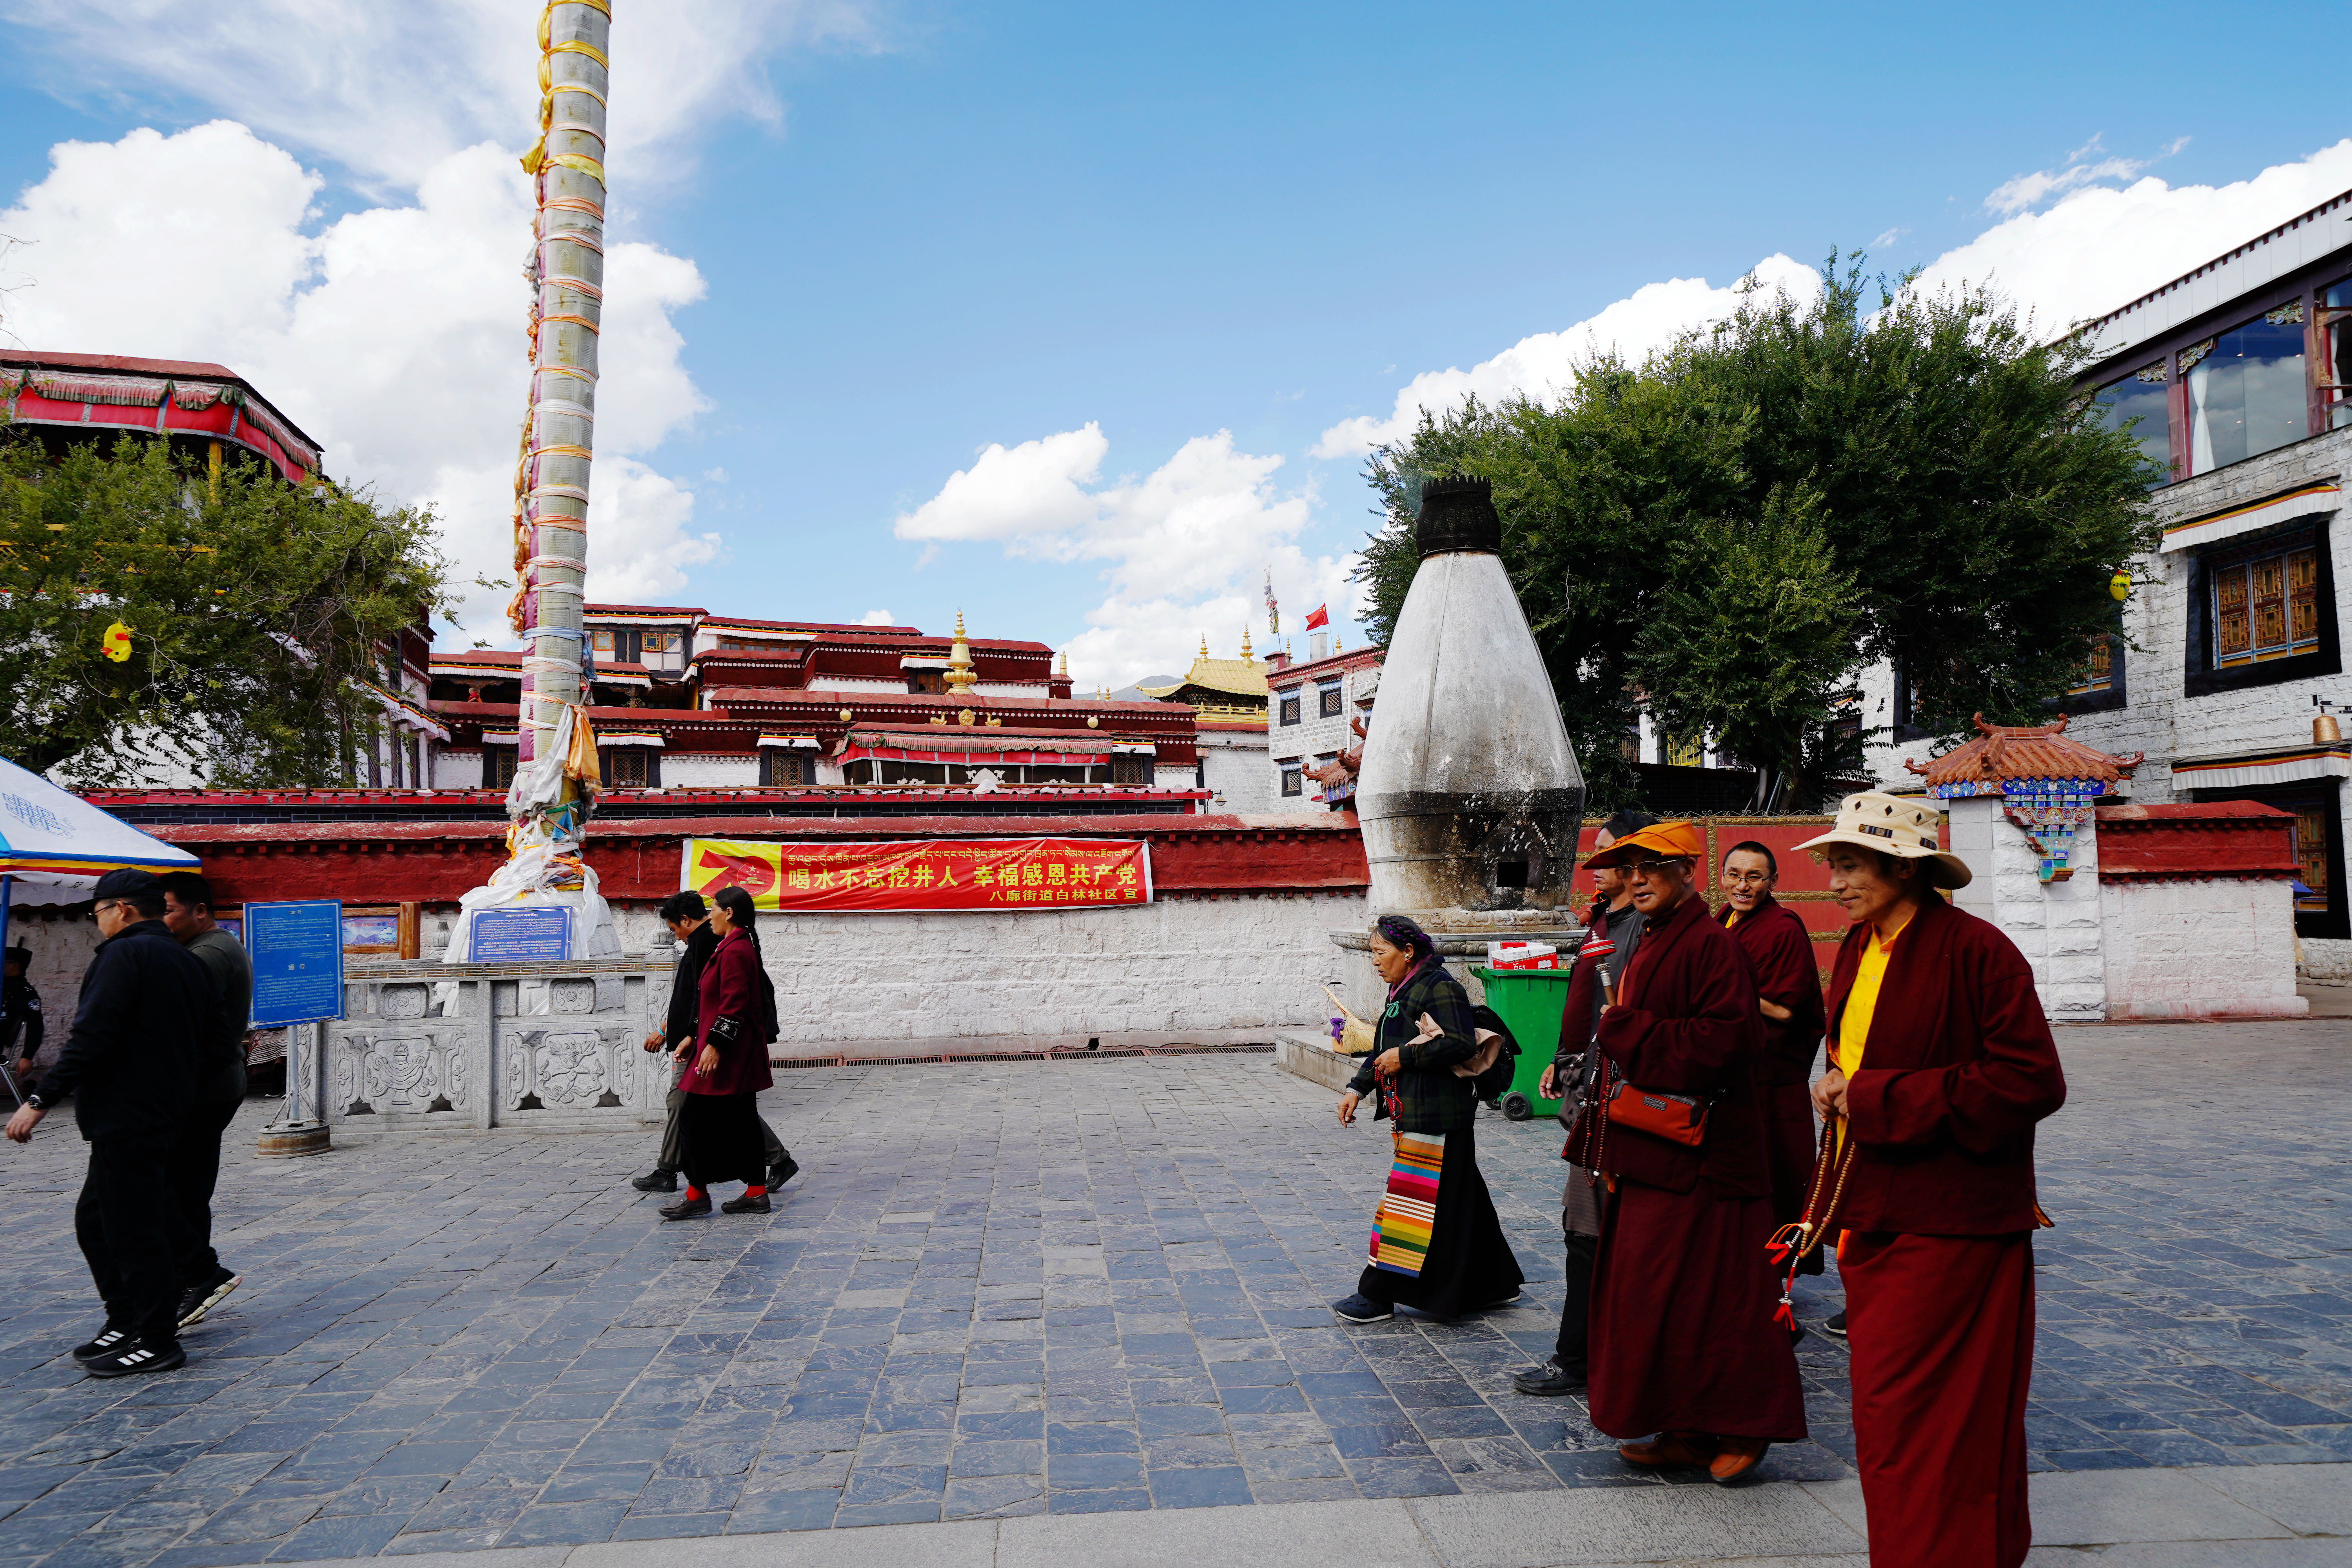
(719, 1139)
(1469, 1265)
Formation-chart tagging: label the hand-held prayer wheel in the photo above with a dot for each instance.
(1470, 794)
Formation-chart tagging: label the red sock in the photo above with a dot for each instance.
(755, 1192)
(695, 1194)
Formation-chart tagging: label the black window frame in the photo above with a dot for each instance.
(2199, 676)
(786, 767)
(1288, 708)
(1900, 705)
(1131, 769)
(1330, 701)
(1294, 780)
(2118, 695)
(499, 764)
(608, 757)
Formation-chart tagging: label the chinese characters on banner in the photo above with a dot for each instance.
(925, 874)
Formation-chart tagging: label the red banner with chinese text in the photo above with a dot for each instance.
(924, 874)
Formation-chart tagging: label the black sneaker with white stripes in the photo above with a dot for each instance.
(1835, 1327)
(139, 1356)
(109, 1339)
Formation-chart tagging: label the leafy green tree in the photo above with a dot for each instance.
(255, 608)
(1735, 530)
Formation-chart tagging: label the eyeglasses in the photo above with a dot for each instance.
(1658, 868)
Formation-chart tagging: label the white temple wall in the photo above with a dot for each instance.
(1234, 770)
(1199, 969)
(2201, 949)
(696, 769)
(2056, 925)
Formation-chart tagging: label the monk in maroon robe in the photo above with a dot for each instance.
(1939, 1091)
(1789, 988)
(1682, 1340)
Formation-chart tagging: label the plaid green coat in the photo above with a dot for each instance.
(1429, 1098)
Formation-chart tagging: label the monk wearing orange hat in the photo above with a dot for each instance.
(1942, 1062)
(1685, 1354)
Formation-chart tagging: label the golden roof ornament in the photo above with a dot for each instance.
(1246, 654)
(960, 676)
(1062, 664)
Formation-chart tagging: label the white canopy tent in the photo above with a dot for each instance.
(55, 846)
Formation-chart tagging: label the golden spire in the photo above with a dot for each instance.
(1247, 656)
(1062, 664)
(1204, 645)
(960, 676)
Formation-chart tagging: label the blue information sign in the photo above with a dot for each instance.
(298, 962)
(521, 936)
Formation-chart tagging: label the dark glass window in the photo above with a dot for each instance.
(2098, 670)
(2137, 405)
(2246, 393)
(1290, 707)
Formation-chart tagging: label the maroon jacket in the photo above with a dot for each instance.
(1780, 951)
(1686, 1022)
(730, 989)
(1959, 1067)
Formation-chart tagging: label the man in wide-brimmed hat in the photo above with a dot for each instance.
(1941, 1062)
(1685, 1353)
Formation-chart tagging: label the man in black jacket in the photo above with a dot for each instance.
(131, 1064)
(688, 919)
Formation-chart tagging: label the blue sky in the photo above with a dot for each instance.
(1156, 258)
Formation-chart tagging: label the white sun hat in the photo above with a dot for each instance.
(1892, 825)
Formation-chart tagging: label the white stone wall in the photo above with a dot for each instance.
(1882, 756)
(1167, 778)
(1198, 969)
(2201, 949)
(457, 768)
(2056, 925)
(696, 770)
(1235, 770)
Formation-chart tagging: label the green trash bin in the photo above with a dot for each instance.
(1530, 1001)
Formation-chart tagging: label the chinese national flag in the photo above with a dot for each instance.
(1321, 616)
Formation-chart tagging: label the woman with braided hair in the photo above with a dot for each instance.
(1437, 1244)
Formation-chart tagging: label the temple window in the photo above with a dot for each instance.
(1290, 707)
(2097, 676)
(498, 767)
(778, 766)
(629, 767)
(1327, 701)
(602, 642)
(2137, 406)
(1130, 768)
(2267, 608)
(926, 681)
(2246, 391)
(1293, 779)
(2259, 611)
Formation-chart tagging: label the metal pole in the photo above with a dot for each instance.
(567, 273)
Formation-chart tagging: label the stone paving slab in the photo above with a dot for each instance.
(1064, 1289)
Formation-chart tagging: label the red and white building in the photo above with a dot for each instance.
(685, 700)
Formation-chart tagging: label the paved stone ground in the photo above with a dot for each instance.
(1007, 1290)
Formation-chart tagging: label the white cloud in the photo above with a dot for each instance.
(1187, 545)
(876, 618)
(1546, 362)
(391, 91)
(2025, 192)
(2100, 247)
(393, 336)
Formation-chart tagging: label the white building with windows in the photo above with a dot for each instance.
(2234, 378)
(1310, 708)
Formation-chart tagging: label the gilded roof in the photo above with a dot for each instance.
(1237, 677)
(2003, 752)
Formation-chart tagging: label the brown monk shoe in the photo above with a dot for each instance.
(1736, 1458)
(1670, 1450)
